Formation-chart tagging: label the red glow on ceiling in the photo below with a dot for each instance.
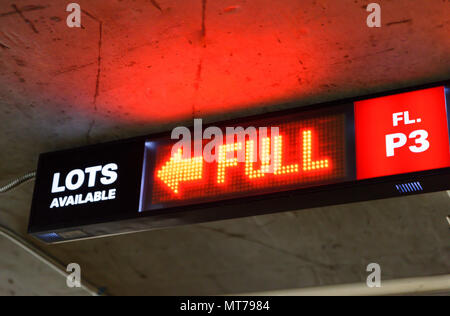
(136, 63)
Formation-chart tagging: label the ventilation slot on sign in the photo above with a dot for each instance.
(50, 237)
(410, 187)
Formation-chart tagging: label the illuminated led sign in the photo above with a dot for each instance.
(402, 133)
(353, 150)
(308, 151)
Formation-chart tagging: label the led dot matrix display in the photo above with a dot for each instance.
(306, 151)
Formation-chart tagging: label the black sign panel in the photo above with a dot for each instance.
(87, 185)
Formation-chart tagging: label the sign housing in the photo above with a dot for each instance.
(365, 148)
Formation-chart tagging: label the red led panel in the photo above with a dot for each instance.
(308, 151)
(402, 133)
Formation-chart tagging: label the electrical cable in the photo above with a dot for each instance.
(34, 251)
(18, 182)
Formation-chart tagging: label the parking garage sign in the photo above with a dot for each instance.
(353, 150)
(402, 133)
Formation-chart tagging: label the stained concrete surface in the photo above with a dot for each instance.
(136, 67)
(22, 274)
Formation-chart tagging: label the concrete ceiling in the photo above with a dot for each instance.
(145, 65)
